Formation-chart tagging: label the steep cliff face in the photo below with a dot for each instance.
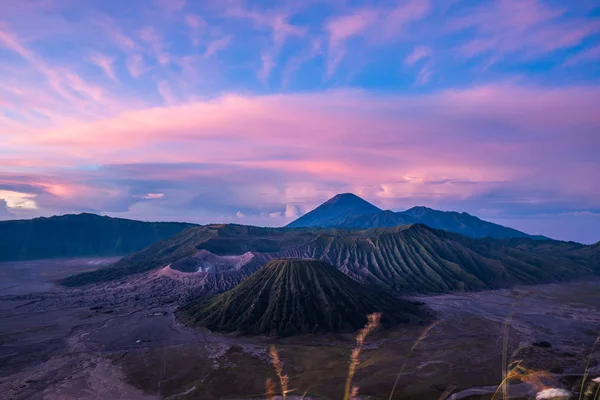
(292, 296)
(411, 258)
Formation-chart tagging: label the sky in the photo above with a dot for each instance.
(255, 112)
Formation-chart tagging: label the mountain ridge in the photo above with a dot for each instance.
(451, 221)
(87, 234)
(78, 235)
(410, 258)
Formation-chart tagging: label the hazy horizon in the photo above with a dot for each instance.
(242, 220)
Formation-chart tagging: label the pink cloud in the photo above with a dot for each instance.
(294, 63)
(11, 42)
(62, 81)
(267, 65)
(526, 107)
(136, 65)
(123, 41)
(152, 196)
(105, 63)
(197, 25)
(516, 15)
(419, 53)
(529, 108)
(587, 55)
(564, 35)
(345, 27)
(291, 212)
(277, 22)
(306, 137)
(171, 5)
(217, 45)
(154, 39)
(395, 21)
(164, 89)
(380, 24)
(425, 74)
(342, 28)
(282, 29)
(531, 27)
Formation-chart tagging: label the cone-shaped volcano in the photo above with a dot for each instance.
(292, 296)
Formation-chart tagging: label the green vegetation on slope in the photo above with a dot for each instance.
(292, 296)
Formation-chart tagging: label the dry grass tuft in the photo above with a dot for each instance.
(270, 386)
(504, 384)
(593, 390)
(587, 367)
(354, 393)
(372, 324)
(448, 392)
(278, 365)
(540, 380)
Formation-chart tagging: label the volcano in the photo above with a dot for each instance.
(296, 296)
(335, 211)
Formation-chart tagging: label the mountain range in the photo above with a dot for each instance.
(93, 235)
(292, 296)
(409, 258)
(80, 235)
(348, 261)
(350, 211)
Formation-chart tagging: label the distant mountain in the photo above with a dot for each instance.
(408, 258)
(294, 296)
(355, 217)
(335, 211)
(464, 224)
(79, 235)
(450, 221)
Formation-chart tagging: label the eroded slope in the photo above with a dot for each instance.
(412, 258)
